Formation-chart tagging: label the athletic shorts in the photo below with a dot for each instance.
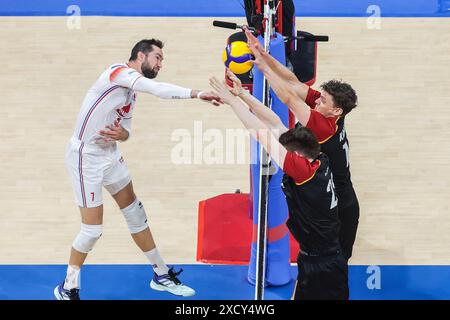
(322, 278)
(91, 167)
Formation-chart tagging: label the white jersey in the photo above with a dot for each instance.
(113, 96)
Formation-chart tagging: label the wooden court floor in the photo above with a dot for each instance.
(399, 134)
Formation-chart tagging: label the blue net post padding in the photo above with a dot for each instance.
(278, 271)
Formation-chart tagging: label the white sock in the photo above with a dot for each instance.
(72, 278)
(157, 262)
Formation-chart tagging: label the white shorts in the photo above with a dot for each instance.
(92, 166)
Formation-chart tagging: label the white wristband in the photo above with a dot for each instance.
(199, 94)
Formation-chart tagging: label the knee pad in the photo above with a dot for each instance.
(135, 217)
(88, 236)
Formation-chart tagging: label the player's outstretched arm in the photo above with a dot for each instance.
(267, 137)
(269, 62)
(286, 94)
(171, 91)
(267, 116)
(131, 78)
(283, 90)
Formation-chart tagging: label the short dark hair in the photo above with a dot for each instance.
(301, 139)
(343, 94)
(145, 46)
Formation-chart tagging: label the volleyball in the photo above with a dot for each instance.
(237, 56)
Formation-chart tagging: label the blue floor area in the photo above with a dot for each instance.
(223, 8)
(218, 282)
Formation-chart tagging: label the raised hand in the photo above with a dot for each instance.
(237, 84)
(222, 90)
(252, 41)
(254, 44)
(256, 47)
(210, 97)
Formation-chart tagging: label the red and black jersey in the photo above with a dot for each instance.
(330, 133)
(312, 202)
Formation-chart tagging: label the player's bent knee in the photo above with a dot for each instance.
(135, 217)
(114, 188)
(88, 236)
